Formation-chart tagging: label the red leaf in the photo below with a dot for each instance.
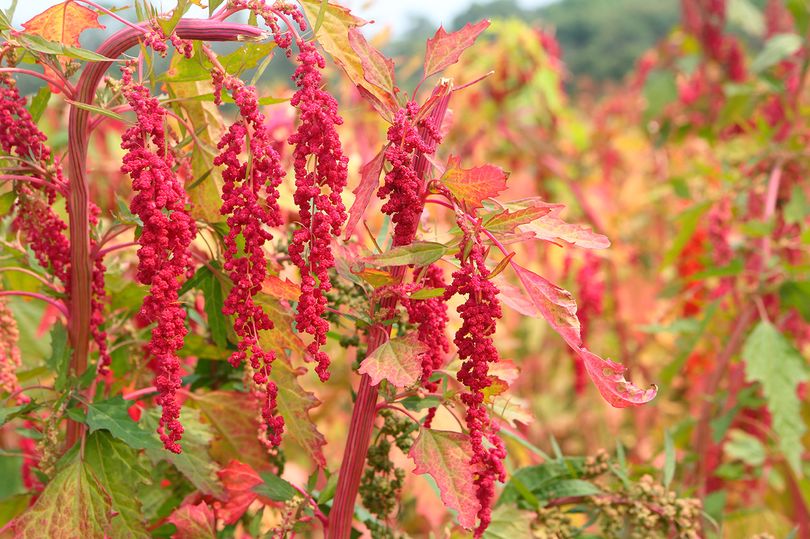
(444, 49)
(472, 186)
(193, 522)
(559, 309)
(238, 479)
(396, 360)
(369, 181)
(63, 23)
(377, 68)
(445, 456)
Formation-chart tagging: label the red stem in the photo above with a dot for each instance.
(365, 407)
(46, 299)
(78, 196)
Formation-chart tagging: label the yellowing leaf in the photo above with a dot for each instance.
(506, 221)
(72, 505)
(551, 228)
(294, 404)
(333, 35)
(233, 417)
(63, 23)
(377, 68)
(445, 456)
(444, 50)
(281, 288)
(396, 360)
(474, 185)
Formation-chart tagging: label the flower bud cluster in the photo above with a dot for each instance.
(402, 185)
(10, 359)
(476, 349)
(320, 177)
(250, 203)
(164, 257)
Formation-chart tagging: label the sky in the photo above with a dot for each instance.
(393, 13)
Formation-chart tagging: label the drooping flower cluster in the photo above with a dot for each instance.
(42, 228)
(430, 317)
(474, 340)
(250, 202)
(402, 184)
(163, 258)
(9, 352)
(320, 177)
(271, 15)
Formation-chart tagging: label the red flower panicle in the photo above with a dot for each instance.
(320, 177)
(430, 317)
(163, 258)
(402, 184)
(476, 349)
(250, 202)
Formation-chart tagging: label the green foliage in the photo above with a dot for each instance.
(771, 360)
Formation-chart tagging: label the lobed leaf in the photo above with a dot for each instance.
(112, 415)
(771, 360)
(444, 50)
(396, 360)
(364, 192)
(63, 23)
(194, 522)
(377, 68)
(445, 456)
(294, 404)
(474, 185)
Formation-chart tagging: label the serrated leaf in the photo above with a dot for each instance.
(112, 415)
(418, 253)
(275, 488)
(445, 456)
(233, 417)
(377, 68)
(72, 505)
(472, 186)
(363, 193)
(282, 337)
(444, 50)
(559, 309)
(771, 360)
(396, 360)
(194, 522)
(7, 414)
(294, 404)
(118, 470)
(194, 462)
(63, 23)
(59, 359)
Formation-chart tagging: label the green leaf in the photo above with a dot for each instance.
(417, 404)
(745, 447)
(213, 5)
(798, 207)
(427, 293)
(796, 294)
(120, 473)
(112, 415)
(59, 359)
(528, 484)
(660, 89)
(194, 462)
(669, 462)
(97, 110)
(771, 360)
(7, 414)
(275, 488)
(776, 49)
(39, 102)
(509, 522)
(214, 303)
(72, 505)
(419, 253)
(747, 16)
(7, 202)
(40, 44)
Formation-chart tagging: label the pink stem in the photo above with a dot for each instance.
(60, 188)
(59, 305)
(140, 393)
(33, 274)
(68, 91)
(103, 252)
